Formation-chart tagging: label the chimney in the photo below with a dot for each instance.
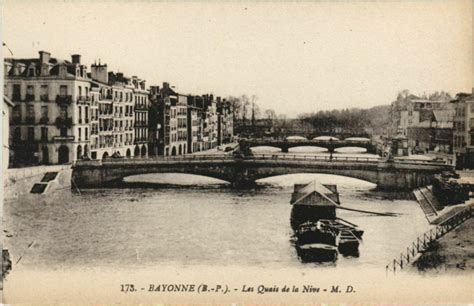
(166, 85)
(76, 58)
(99, 73)
(44, 57)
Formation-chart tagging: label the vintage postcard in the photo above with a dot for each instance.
(237, 153)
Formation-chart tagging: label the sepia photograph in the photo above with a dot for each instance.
(237, 153)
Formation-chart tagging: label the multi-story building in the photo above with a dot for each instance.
(419, 110)
(156, 120)
(123, 103)
(116, 100)
(50, 117)
(463, 130)
(434, 135)
(7, 105)
(182, 124)
(141, 117)
(167, 121)
(225, 126)
(195, 123)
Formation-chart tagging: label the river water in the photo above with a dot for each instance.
(195, 221)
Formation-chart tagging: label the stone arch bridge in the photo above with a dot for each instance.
(245, 171)
(330, 145)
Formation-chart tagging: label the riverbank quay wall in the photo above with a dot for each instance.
(19, 181)
(245, 171)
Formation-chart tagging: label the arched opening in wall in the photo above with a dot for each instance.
(63, 154)
(345, 182)
(173, 151)
(307, 149)
(350, 150)
(167, 152)
(179, 150)
(79, 152)
(45, 153)
(184, 149)
(136, 152)
(86, 150)
(265, 149)
(129, 153)
(143, 151)
(173, 178)
(105, 155)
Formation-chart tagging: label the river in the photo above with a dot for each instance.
(195, 222)
(181, 228)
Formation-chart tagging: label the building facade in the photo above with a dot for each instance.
(434, 135)
(6, 110)
(50, 117)
(63, 113)
(463, 130)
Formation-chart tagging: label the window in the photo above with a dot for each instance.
(86, 132)
(86, 114)
(30, 90)
(44, 93)
(79, 136)
(63, 132)
(63, 111)
(17, 134)
(44, 134)
(31, 133)
(30, 111)
(44, 111)
(17, 112)
(16, 95)
(79, 91)
(63, 90)
(79, 109)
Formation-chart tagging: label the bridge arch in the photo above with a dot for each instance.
(352, 149)
(307, 148)
(262, 149)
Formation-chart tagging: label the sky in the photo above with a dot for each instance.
(295, 57)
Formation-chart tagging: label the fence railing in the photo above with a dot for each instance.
(423, 241)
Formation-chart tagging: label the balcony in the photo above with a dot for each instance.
(44, 120)
(44, 98)
(63, 138)
(16, 97)
(83, 99)
(29, 97)
(64, 99)
(62, 122)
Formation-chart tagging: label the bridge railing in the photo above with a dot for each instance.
(300, 157)
(423, 241)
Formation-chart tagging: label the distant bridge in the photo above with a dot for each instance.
(245, 171)
(330, 145)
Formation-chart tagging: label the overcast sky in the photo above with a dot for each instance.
(295, 57)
